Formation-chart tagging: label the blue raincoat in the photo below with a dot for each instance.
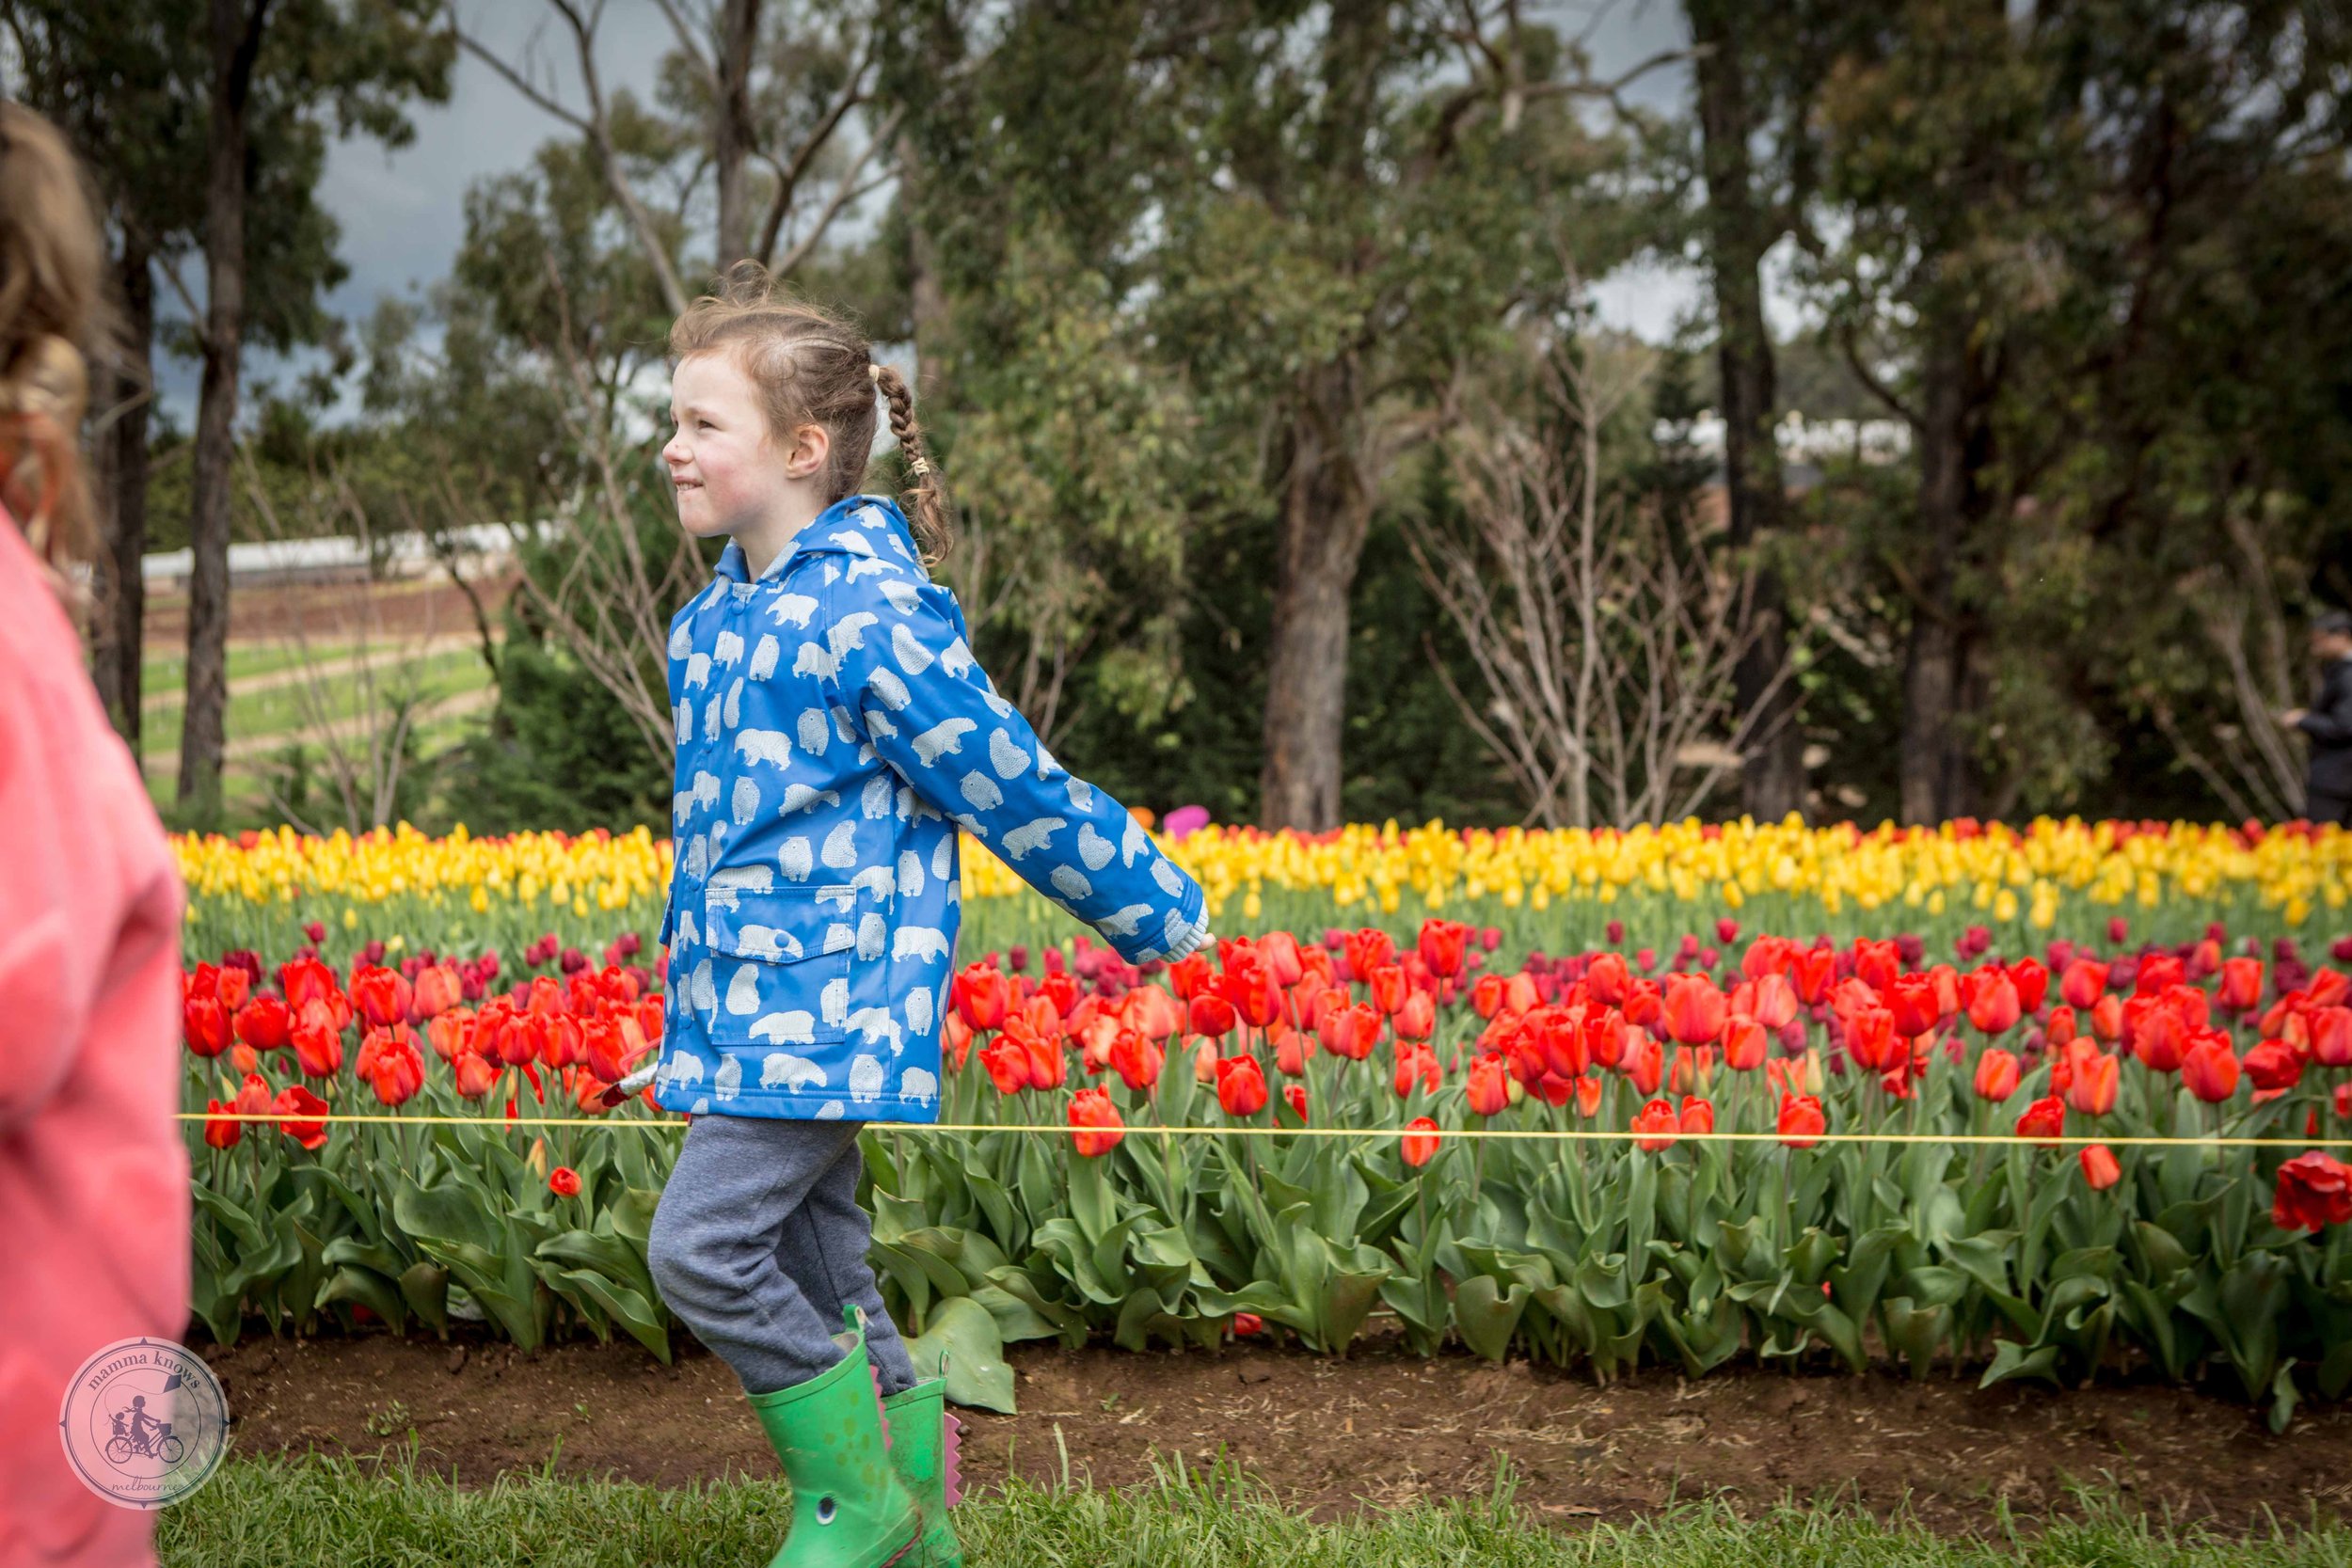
(833, 732)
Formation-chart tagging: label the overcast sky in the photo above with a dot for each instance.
(403, 212)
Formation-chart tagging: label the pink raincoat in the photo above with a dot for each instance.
(94, 1193)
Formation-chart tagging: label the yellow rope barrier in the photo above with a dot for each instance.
(1529, 1134)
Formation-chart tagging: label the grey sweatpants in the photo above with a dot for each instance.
(758, 1242)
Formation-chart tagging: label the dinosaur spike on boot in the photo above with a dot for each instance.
(927, 1454)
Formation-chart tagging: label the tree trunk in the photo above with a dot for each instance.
(120, 628)
(1327, 511)
(935, 355)
(236, 41)
(1939, 687)
(1740, 232)
(732, 137)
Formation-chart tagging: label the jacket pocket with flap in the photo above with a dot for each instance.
(782, 954)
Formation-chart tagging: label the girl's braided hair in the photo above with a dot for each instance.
(50, 261)
(812, 367)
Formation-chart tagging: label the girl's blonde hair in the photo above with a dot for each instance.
(50, 259)
(812, 367)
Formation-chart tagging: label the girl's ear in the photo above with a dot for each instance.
(812, 444)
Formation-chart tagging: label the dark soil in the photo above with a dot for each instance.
(1328, 1436)
(330, 612)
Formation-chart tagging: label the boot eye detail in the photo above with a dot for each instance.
(824, 1511)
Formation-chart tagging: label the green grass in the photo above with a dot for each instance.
(279, 709)
(315, 1510)
(161, 672)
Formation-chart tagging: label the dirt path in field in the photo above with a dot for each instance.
(327, 668)
(1329, 1436)
(455, 705)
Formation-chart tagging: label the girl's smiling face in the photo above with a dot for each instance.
(728, 474)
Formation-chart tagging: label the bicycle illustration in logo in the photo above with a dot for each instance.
(138, 1435)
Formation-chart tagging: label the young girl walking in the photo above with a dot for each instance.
(833, 733)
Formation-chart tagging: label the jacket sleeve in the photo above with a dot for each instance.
(2330, 721)
(909, 683)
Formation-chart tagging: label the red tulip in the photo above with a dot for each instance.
(2158, 972)
(437, 989)
(1252, 990)
(307, 980)
(221, 1134)
(1092, 1109)
(1418, 1019)
(233, 986)
(1608, 980)
(1488, 1086)
(1996, 1076)
(318, 1050)
(2314, 1191)
(1486, 995)
(2097, 1076)
(2045, 1119)
(1240, 1085)
(1389, 987)
(2061, 1028)
(1441, 944)
(2160, 1036)
(381, 995)
(2099, 1168)
(1913, 1001)
(2273, 1065)
(1745, 1044)
(1138, 1061)
(2106, 1019)
(1007, 1063)
(2241, 989)
(980, 993)
(1698, 1115)
(564, 1182)
(2210, 1070)
(1775, 1004)
(1645, 1065)
(1415, 1064)
(2331, 1035)
(205, 1025)
(1420, 1141)
(1994, 1007)
(1213, 1015)
(265, 1024)
(1657, 1117)
(390, 1062)
(1696, 1010)
(295, 1101)
(1873, 1041)
(476, 1075)
(1876, 963)
(1278, 950)
(2032, 982)
(1801, 1122)
(2082, 983)
(1294, 1096)
(1367, 949)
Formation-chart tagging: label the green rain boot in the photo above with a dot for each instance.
(849, 1509)
(925, 1441)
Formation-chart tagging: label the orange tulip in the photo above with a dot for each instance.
(1657, 1117)
(2210, 1070)
(1996, 1076)
(2099, 1168)
(2096, 1078)
(1092, 1109)
(1801, 1122)
(1694, 1009)
(1420, 1141)
(1488, 1086)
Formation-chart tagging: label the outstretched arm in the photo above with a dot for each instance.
(908, 678)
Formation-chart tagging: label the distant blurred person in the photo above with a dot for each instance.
(2328, 796)
(94, 1172)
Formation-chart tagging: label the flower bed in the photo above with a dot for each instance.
(2055, 1262)
(1545, 891)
